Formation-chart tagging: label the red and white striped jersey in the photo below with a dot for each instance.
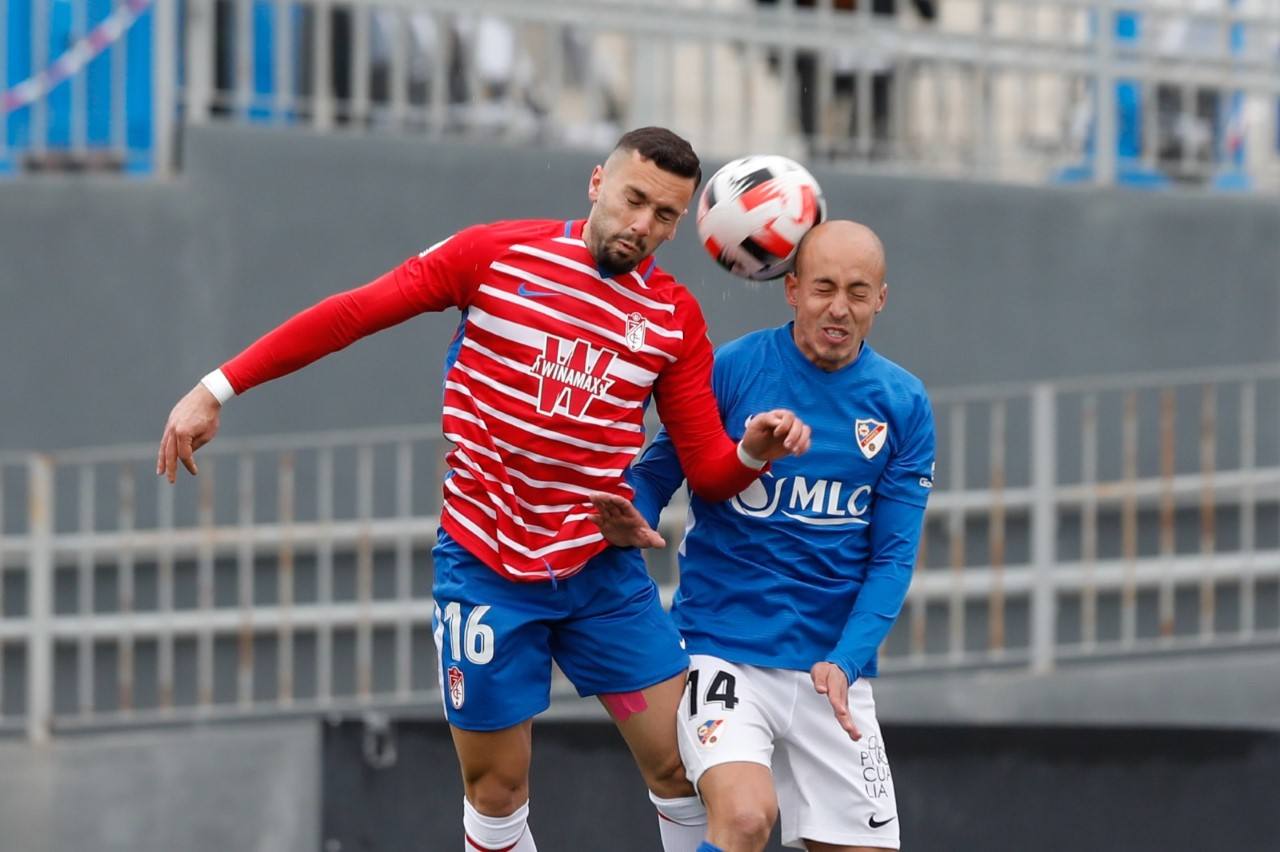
(546, 387)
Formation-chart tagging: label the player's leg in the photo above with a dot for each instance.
(835, 794)
(741, 806)
(646, 719)
(495, 671)
(726, 725)
(620, 644)
(495, 780)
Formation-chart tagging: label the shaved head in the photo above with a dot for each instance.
(837, 289)
(843, 237)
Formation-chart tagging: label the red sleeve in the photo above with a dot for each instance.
(688, 409)
(440, 277)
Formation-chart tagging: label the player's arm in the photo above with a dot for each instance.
(427, 282)
(715, 466)
(895, 524)
(895, 538)
(654, 478)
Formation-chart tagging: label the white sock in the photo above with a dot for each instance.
(682, 822)
(497, 834)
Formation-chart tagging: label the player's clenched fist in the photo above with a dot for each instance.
(192, 423)
(774, 434)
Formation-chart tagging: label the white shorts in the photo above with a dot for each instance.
(830, 788)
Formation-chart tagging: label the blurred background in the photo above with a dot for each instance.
(1080, 201)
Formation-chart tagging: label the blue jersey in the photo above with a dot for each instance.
(812, 561)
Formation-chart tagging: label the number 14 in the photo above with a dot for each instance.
(720, 690)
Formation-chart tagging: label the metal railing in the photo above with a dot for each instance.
(1148, 93)
(1072, 520)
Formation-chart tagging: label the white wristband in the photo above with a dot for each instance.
(749, 460)
(216, 383)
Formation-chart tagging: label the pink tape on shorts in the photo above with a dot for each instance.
(623, 704)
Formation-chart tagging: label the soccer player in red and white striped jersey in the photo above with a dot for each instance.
(567, 329)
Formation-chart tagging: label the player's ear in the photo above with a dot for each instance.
(792, 285)
(884, 296)
(593, 184)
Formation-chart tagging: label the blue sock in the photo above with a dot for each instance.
(708, 847)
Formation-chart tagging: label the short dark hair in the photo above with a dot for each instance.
(669, 152)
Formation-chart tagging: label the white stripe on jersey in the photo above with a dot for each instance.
(508, 329)
(524, 452)
(587, 270)
(488, 541)
(526, 426)
(453, 488)
(505, 486)
(426, 251)
(568, 319)
(530, 399)
(516, 450)
(463, 441)
(574, 292)
(569, 544)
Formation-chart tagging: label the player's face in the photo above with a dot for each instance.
(837, 290)
(635, 207)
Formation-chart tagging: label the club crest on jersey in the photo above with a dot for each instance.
(457, 688)
(636, 325)
(871, 435)
(570, 375)
(707, 732)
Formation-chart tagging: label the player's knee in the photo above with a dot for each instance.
(748, 823)
(494, 795)
(667, 780)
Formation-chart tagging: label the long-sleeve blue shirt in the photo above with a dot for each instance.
(811, 562)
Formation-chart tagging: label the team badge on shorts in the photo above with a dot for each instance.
(457, 689)
(707, 732)
(871, 435)
(636, 325)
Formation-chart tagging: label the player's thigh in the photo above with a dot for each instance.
(492, 642)
(616, 637)
(495, 766)
(647, 720)
(740, 800)
(728, 713)
(832, 789)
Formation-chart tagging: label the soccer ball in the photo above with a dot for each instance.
(753, 213)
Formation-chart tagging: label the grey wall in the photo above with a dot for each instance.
(115, 297)
(252, 788)
(988, 788)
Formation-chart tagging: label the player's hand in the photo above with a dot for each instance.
(621, 522)
(830, 680)
(773, 434)
(192, 424)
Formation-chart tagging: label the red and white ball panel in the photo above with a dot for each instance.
(754, 212)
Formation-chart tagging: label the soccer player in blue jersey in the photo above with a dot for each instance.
(788, 589)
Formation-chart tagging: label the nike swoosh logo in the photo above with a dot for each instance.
(524, 290)
(874, 823)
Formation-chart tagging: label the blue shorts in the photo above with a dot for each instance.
(495, 639)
